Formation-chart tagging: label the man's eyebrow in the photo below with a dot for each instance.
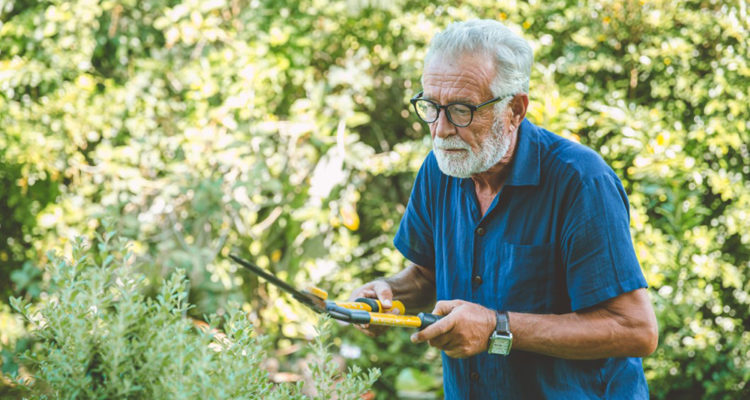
(464, 100)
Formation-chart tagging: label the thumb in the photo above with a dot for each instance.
(384, 293)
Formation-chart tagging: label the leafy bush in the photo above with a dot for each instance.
(98, 337)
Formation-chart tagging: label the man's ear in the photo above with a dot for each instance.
(518, 106)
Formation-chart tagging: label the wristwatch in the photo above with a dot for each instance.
(501, 339)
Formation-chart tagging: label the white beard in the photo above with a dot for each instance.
(464, 164)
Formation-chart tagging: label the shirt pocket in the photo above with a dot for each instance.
(525, 278)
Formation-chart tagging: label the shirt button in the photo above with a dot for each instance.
(477, 280)
(480, 231)
(474, 376)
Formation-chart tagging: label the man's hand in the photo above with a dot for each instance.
(464, 330)
(378, 289)
(414, 286)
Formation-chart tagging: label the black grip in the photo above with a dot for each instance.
(374, 304)
(345, 314)
(428, 319)
(359, 317)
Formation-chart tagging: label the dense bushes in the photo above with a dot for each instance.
(98, 337)
(283, 131)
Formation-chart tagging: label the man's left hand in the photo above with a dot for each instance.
(464, 330)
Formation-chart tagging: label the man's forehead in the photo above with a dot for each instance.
(467, 74)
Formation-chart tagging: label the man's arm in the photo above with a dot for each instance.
(414, 286)
(624, 326)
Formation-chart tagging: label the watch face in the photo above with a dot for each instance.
(500, 345)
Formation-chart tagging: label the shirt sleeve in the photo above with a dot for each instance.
(414, 238)
(597, 249)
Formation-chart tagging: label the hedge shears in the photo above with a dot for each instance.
(359, 311)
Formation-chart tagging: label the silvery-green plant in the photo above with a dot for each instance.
(97, 336)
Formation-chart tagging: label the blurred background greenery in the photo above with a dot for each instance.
(281, 131)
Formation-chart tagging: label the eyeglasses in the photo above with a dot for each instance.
(459, 114)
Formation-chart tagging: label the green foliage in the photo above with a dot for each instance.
(98, 336)
(282, 131)
(326, 388)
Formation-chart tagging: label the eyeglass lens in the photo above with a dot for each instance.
(458, 114)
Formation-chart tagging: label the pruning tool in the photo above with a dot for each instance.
(360, 311)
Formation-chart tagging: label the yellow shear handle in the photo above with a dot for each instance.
(372, 305)
(410, 321)
(362, 303)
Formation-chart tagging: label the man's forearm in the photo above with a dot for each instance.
(625, 327)
(414, 286)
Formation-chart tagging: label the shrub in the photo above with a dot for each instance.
(98, 337)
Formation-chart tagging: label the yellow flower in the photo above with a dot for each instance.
(350, 216)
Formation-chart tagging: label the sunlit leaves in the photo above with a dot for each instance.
(283, 132)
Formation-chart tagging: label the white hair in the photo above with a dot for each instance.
(510, 53)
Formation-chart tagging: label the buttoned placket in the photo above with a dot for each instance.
(476, 279)
(479, 234)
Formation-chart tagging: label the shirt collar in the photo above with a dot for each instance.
(526, 162)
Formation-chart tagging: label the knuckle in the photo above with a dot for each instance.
(384, 290)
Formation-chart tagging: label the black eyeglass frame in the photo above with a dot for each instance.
(473, 108)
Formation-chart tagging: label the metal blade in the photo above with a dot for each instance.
(316, 304)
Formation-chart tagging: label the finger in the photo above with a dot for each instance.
(442, 342)
(384, 293)
(371, 330)
(455, 353)
(458, 350)
(364, 329)
(444, 307)
(434, 330)
(363, 291)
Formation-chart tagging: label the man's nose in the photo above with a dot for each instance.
(443, 127)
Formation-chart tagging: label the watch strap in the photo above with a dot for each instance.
(503, 322)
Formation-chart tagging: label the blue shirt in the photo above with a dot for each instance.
(556, 239)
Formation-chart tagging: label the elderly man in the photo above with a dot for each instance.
(522, 237)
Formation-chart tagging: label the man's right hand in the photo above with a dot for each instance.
(380, 290)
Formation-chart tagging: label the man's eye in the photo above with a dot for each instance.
(460, 110)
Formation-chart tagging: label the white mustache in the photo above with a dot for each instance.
(451, 143)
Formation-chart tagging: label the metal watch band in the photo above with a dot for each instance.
(503, 322)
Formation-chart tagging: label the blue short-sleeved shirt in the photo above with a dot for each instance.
(556, 239)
